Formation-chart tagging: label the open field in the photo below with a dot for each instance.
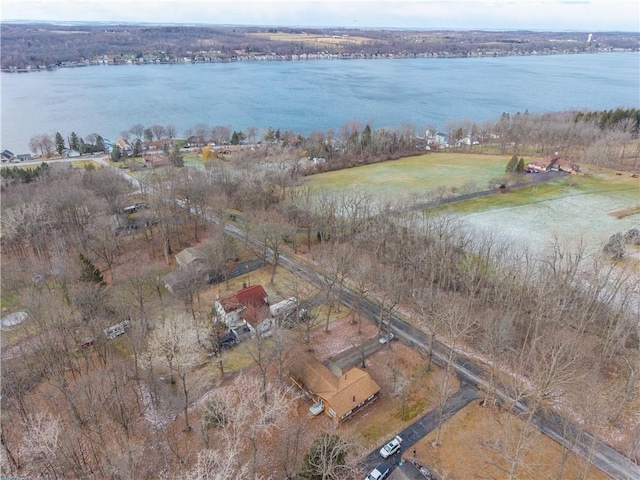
(415, 175)
(573, 209)
(314, 41)
(577, 209)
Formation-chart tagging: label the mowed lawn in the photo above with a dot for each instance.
(418, 174)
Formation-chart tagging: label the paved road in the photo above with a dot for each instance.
(353, 357)
(530, 179)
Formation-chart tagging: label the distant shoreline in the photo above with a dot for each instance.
(308, 57)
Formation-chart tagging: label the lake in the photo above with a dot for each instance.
(305, 96)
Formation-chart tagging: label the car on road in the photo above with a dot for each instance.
(387, 338)
(390, 448)
(378, 473)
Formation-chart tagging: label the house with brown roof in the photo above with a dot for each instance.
(158, 145)
(193, 266)
(155, 161)
(342, 396)
(249, 306)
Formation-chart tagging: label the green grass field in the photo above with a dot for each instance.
(414, 175)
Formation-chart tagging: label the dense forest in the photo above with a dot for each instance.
(152, 403)
(47, 45)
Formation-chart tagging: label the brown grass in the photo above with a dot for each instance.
(479, 434)
(625, 212)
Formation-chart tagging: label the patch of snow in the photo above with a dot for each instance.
(155, 418)
(571, 218)
(13, 319)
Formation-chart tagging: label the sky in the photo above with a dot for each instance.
(572, 15)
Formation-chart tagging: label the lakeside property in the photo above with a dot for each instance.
(135, 44)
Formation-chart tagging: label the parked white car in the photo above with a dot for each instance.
(387, 338)
(390, 448)
(378, 473)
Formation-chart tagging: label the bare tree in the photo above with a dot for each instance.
(458, 322)
(137, 130)
(360, 277)
(170, 130)
(178, 340)
(158, 131)
(107, 184)
(246, 421)
(327, 457)
(221, 134)
(270, 232)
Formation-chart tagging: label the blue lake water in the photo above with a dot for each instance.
(305, 96)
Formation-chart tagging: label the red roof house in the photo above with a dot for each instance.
(248, 306)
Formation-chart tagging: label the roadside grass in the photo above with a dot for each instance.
(413, 407)
(83, 164)
(415, 175)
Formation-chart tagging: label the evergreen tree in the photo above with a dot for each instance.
(270, 136)
(237, 138)
(520, 166)
(366, 137)
(176, 157)
(116, 153)
(137, 149)
(148, 135)
(59, 143)
(89, 272)
(99, 144)
(73, 142)
(512, 165)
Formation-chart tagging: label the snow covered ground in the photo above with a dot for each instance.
(571, 219)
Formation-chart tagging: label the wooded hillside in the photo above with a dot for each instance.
(45, 45)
